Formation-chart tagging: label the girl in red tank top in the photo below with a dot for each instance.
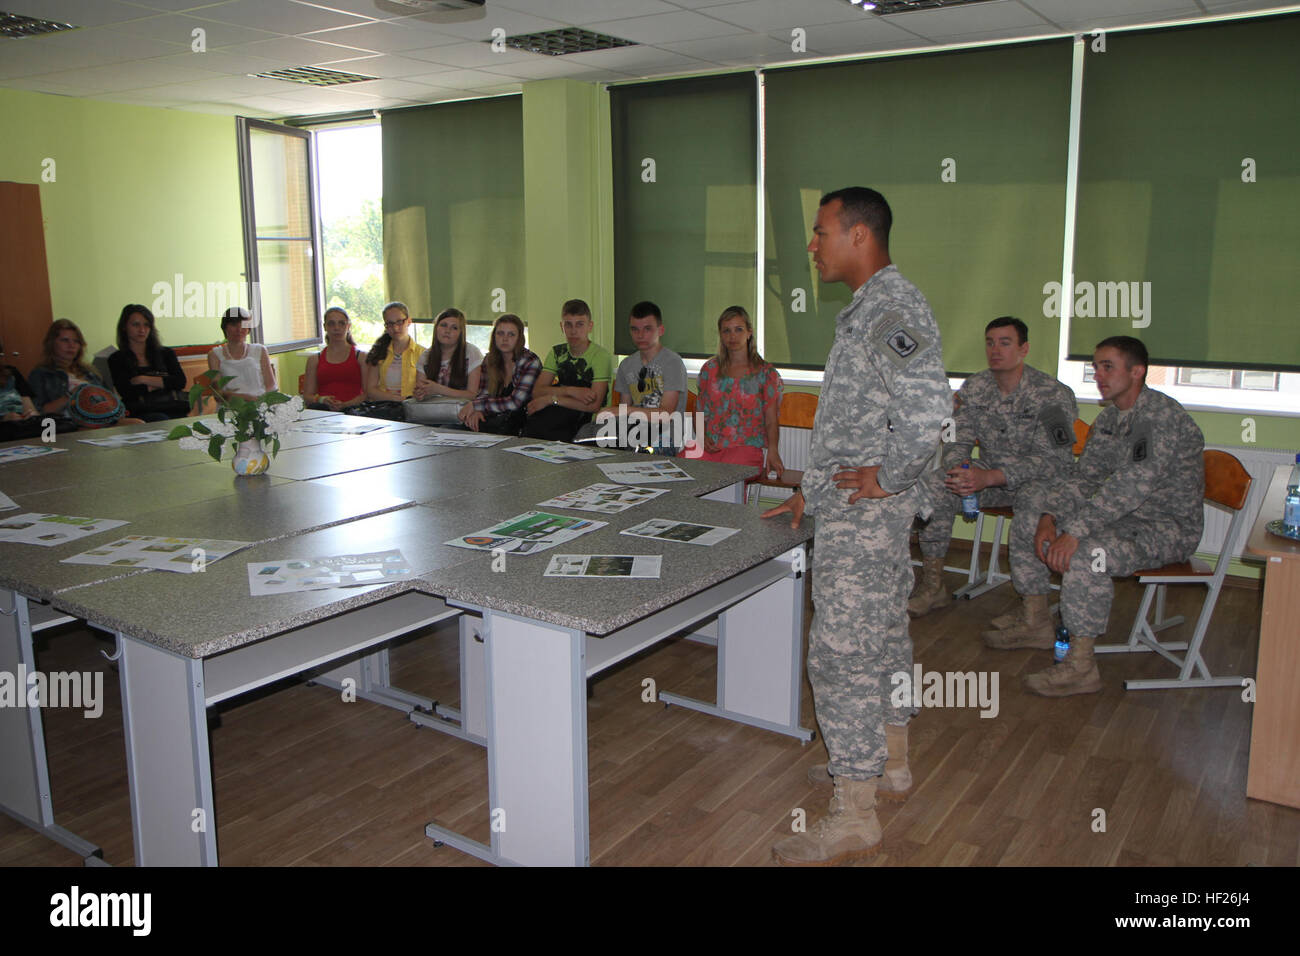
(333, 380)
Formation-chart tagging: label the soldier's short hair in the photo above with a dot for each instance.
(862, 205)
(1002, 321)
(1135, 353)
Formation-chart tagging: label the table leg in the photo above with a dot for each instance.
(537, 746)
(25, 780)
(168, 765)
(1274, 770)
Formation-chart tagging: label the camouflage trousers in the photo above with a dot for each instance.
(1119, 550)
(861, 577)
(937, 535)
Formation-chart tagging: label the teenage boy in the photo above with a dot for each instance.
(574, 379)
(652, 380)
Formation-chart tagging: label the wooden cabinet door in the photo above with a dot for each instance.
(25, 310)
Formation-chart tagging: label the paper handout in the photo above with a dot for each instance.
(23, 452)
(666, 529)
(159, 553)
(322, 573)
(122, 439)
(49, 530)
(558, 452)
(604, 566)
(527, 533)
(637, 472)
(603, 498)
(459, 439)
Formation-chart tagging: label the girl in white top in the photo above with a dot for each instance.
(248, 362)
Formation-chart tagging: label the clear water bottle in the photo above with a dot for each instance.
(1062, 646)
(1291, 509)
(970, 504)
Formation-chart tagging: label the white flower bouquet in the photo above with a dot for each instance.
(239, 420)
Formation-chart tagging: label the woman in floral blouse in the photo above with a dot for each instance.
(740, 398)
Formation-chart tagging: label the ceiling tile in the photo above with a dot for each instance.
(748, 49)
(868, 35)
(771, 16)
(470, 54)
(386, 37)
(636, 60)
(81, 13)
(179, 28)
(980, 18)
(463, 79)
(39, 84)
(129, 76)
(667, 28)
(283, 16)
(512, 21)
(399, 67)
(171, 6)
(294, 51)
(1070, 14)
(547, 67)
(228, 64)
(583, 12)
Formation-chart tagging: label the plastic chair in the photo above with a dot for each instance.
(798, 410)
(1227, 484)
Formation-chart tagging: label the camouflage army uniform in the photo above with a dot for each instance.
(882, 402)
(1133, 500)
(1028, 434)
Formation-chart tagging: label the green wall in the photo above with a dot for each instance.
(139, 195)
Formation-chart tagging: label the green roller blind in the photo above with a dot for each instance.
(685, 190)
(454, 207)
(1174, 122)
(980, 246)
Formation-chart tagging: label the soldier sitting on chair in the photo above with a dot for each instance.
(1023, 420)
(1132, 501)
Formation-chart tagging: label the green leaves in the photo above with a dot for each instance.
(180, 431)
(214, 447)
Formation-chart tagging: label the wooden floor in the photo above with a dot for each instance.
(304, 779)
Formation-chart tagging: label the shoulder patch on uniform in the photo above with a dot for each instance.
(899, 341)
(1139, 445)
(1060, 430)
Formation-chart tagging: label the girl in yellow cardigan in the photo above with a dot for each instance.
(394, 360)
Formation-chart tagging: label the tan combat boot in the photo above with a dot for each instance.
(1012, 618)
(1077, 674)
(1037, 630)
(930, 593)
(896, 783)
(849, 832)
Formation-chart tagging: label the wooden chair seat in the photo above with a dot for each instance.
(1006, 512)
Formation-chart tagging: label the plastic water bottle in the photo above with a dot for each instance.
(1291, 509)
(970, 504)
(1062, 646)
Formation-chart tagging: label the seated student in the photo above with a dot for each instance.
(574, 382)
(248, 362)
(740, 398)
(1132, 501)
(450, 375)
(393, 362)
(145, 372)
(652, 380)
(509, 372)
(62, 373)
(332, 381)
(18, 416)
(1023, 420)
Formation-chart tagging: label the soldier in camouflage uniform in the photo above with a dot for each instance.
(1132, 501)
(1023, 420)
(883, 399)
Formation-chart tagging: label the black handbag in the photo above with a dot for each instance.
(390, 411)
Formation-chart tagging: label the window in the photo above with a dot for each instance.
(352, 225)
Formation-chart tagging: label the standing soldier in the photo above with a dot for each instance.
(1023, 420)
(883, 399)
(1132, 501)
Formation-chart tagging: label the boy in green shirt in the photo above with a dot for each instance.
(574, 381)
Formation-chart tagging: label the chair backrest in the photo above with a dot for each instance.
(1227, 482)
(615, 399)
(1081, 429)
(798, 409)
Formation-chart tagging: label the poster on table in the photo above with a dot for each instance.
(23, 452)
(159, 553)
(328, 426)
(558, 452)
(458, 440)
(638, 472)
(603, 498)
(122, 439)
(527, 533)
(323, 573)
(688, 532)
(604, 566)
(49, 530)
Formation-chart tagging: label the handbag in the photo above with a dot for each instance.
(390, 411)
(433, 411)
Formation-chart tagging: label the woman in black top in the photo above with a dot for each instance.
(145, 372)
(18, 415)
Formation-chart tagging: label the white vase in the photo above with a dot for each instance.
(250, 458)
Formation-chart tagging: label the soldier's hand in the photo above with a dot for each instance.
(1060, 552)
(1044, 535)
(792, 506)
(864, 482)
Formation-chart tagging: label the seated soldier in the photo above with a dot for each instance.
(1132, 501)
(1023, 420)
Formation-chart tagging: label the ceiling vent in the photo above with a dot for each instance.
(15, 25)
(313, 76)
(565, 41)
